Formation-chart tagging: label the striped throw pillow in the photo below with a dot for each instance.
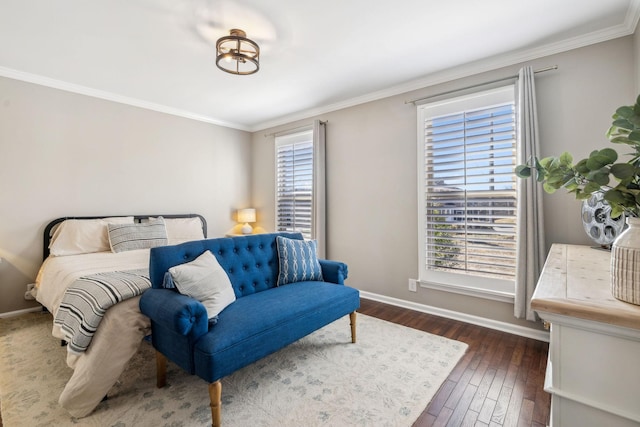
(127, 237)
(297, 261)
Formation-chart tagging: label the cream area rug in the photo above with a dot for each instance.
(386, 379)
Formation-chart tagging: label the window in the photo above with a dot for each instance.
(294, 183)
(467, 192)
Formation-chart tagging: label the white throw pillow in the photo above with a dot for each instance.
(180, 230)
(205, 280)
(83, 236)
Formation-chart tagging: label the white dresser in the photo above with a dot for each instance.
(593, 372)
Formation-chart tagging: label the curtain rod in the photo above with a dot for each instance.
(541, 70)
(266, 135)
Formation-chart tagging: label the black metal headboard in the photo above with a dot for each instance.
(48, 230)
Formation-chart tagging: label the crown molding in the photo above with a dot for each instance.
(628, 27)
(633, 16)
(109, 96)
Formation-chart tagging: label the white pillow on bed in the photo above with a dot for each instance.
(180, 230)
(83, 236)
(205, 280)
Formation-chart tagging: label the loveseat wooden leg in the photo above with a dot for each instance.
(352, 318)
(161, 370)
(215, 393)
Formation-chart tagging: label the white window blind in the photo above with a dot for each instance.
(469, 188)
(294, 183)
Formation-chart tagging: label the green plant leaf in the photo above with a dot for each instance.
(623, 123)
(599, 159)
(601, 178)
(623, 170)
(625, 112)
(591, 187)
(544, 163)
(582, 195)
(572, 186)
(556, 178)
(635, 119)
(566, 158)
(626, 200)
(523, 171)
(549, 189)
(537, 163)
(634, 136)
(614, 197)
(595, 163)
(621, 140)
(610, 154)
(610, 131)
(616, 211)
(581, 167)
(556, 163)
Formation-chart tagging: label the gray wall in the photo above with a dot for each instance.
(636, 48)
(66, 154)
(372, 167)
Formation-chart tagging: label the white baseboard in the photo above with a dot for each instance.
(463, 317)
(19, 312)
(423, 308)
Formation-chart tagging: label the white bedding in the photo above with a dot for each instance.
(118, 336)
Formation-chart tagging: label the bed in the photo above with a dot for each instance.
(77, 248)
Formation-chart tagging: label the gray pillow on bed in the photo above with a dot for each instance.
(145, 235)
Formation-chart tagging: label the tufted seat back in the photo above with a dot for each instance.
(250, 261)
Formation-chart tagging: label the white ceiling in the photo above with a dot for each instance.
(317, 55)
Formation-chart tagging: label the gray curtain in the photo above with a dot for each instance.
(531, 245)
(319, 222)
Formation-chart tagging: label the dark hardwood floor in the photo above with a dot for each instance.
(499, 381)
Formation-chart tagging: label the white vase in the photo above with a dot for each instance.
(625, 264)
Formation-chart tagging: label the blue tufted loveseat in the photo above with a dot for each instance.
(263, 319)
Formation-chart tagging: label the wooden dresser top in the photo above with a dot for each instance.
(575, 282)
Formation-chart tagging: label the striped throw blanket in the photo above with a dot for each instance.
(88, 298)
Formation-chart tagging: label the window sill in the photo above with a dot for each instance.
(494, 295)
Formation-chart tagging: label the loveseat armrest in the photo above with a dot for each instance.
(333, 271)
(175, 312)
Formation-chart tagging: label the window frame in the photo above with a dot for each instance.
(289, 139)
(459, 281)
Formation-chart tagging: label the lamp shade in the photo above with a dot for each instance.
(246, 215)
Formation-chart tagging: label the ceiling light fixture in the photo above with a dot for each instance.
(236, 54)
